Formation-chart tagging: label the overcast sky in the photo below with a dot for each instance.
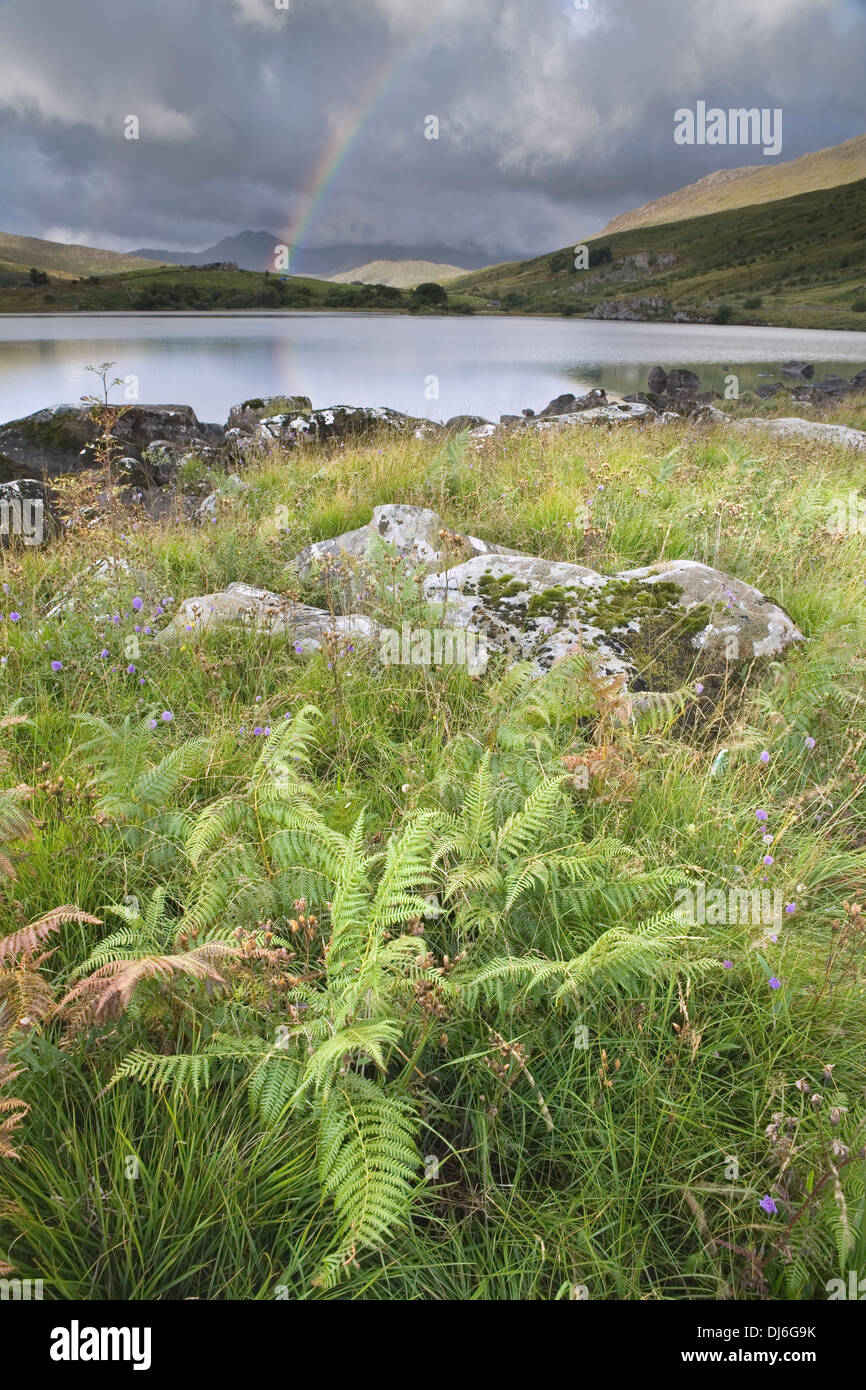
(551, 118)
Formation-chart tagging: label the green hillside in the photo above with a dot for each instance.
(796, 262)
(754, 183)
(174, 287)
(19, 253)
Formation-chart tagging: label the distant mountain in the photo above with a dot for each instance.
(754, 183)
(403, 275)
(255, 251)
(251, 251)
(21, 252)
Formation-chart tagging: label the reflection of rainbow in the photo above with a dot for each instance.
(344, 140)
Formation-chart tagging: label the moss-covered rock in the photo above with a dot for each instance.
(58, 440)
(660, 625)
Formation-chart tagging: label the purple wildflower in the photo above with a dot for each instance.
(137, 603)
(765, 757)
(810, 743)
(769, 1206)
(760, 815)
(768, 860)
(774, 982)
(14, 617)
(790, 907)
(167, 716)
(728, 964)
(57, 665)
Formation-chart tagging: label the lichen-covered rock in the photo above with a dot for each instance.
(614, 413)
(654, 624)
(248, 414)
(48, 442)
(356, 422)
(569, 404)
(27, 513)
(609, 415)
(272, 614)
(59, 440)
(416, 534)
(745, 623)
(658, 625)
(794, 428)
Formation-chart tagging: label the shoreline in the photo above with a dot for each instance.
(405, 314)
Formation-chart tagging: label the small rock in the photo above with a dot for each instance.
(681, 381)
(465, 422)
(813, 430)
(248, 414)
(570, 405)
(27, 513)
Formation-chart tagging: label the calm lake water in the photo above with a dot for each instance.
(483, 366)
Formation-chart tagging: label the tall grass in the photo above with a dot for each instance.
(649, 1183)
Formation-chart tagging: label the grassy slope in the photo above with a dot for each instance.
(120, 291)
(64, 260)
(630, 1195)
(403, 274)
(183, 287)
(756, 183)
(805, 256)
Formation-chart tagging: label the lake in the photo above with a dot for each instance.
(484, 365)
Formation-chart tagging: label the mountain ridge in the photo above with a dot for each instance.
(255, 251)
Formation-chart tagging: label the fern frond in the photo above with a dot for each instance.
(180, 1072)
(368, 1160)
(25, 941)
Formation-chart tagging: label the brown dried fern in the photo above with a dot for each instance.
(25, 941)
(11, 1108)
(106, 994)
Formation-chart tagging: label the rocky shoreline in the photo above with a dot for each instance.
(152, 443)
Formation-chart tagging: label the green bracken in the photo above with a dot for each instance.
(386, 996)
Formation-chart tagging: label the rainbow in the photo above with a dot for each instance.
(344, 141)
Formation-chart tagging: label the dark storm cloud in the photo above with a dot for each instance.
(552, 118)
